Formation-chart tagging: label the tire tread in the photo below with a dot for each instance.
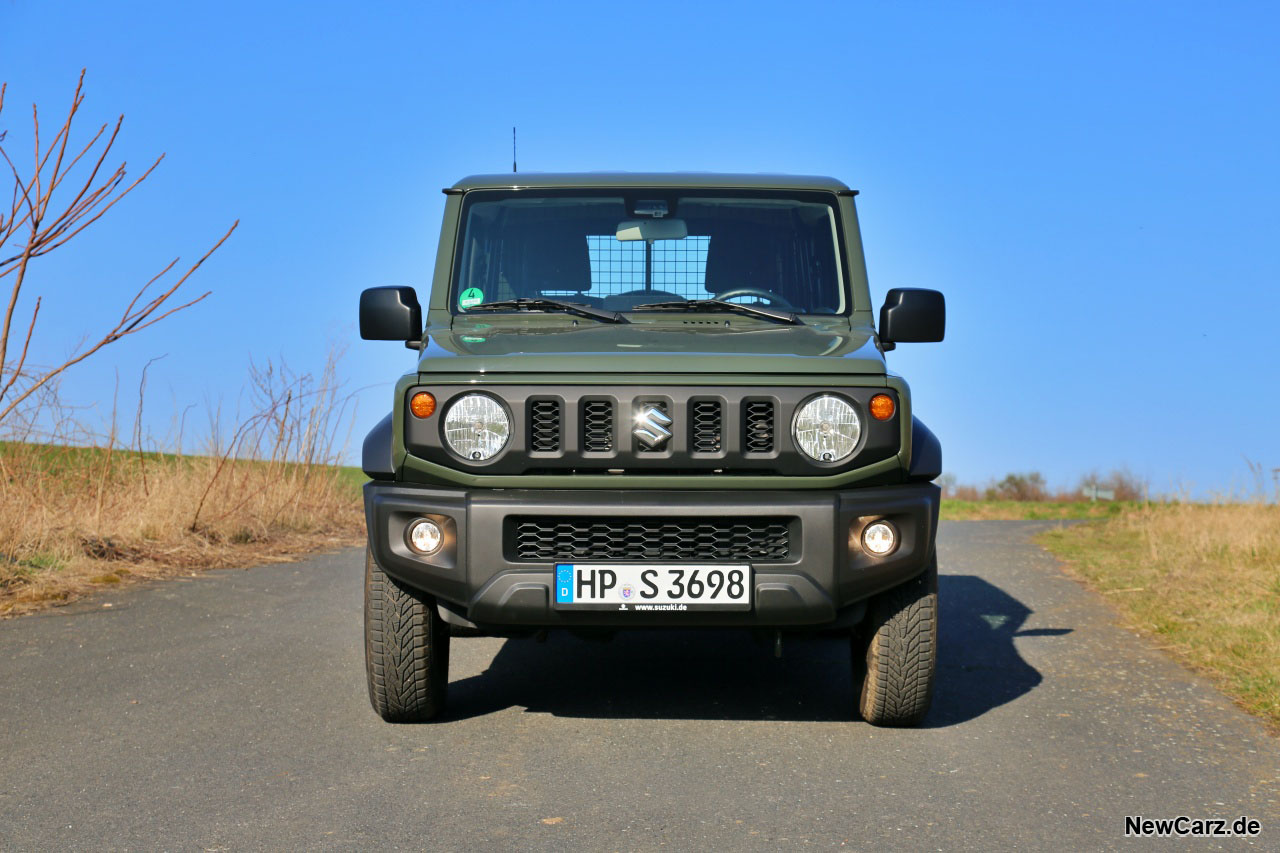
(895, 653)
(406, 649)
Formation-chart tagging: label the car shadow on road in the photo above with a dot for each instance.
(979, 667)
(726, 675)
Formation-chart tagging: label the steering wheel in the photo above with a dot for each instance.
(774, 300)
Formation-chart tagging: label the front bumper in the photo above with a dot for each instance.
(479, 576)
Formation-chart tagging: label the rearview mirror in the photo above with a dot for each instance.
(390, 314)
(652, 229)
(912, 315)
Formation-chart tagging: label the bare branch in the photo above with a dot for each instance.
(137, 423)
(48, 228)
(86, 149)
(106, 149)
(129, 324)
(128, 310)
(236, 439)
(18, 183)
(135, 327)
(13, 303)
(109, 205)
(65, 133)
(35, 122)
(22, 359)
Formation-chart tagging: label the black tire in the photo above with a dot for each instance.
(895, 652)
(406, 648)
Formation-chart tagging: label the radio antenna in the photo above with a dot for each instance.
(513, 149)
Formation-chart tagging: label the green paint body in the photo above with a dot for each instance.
(686, 349)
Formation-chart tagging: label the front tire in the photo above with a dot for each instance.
(406, 648)
(895, 652)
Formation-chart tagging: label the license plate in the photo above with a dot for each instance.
(645, 586)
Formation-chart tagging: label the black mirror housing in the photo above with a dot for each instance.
(912, 315)
(390, 314)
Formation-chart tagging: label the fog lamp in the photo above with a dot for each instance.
(424, 536)
(879, 538)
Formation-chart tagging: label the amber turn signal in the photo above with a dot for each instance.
(882, 407)
(422, 404)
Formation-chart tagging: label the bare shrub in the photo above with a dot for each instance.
(1019, 487)
(73, 518)
(291, 434)
(1126, 485)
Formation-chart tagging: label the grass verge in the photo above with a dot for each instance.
(1009, 510)
(73, 520)
(1202, 580)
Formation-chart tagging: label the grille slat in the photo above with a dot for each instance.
(757, 424)
(699, 540)
(544, 426)
(597, 425)
(705, 426)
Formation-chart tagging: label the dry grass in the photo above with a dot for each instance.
(74, 519)
(1203, 580)
(77, 518)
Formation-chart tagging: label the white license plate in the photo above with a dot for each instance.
(645, 586)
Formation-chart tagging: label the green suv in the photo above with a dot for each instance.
(650, 401)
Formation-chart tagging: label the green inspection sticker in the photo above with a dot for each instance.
(471, 296)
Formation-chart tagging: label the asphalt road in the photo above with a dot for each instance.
(229, 712)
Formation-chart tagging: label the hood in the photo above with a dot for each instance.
(692, 346)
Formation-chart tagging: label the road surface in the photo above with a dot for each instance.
(229, 711)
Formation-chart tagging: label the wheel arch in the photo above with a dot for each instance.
(926, 453)
(376, 457)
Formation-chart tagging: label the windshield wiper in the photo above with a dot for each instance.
(721, 305)
(540, 304)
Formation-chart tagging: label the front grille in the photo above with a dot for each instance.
(704, 426)
(597, 425)
(757, 425)
(675, 539)
(544, 426)
(603, 430)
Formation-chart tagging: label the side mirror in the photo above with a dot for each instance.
(912, 315)
(390, 314)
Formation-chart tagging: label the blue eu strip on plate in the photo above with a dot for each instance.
(564, 584)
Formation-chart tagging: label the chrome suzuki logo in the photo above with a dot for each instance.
(651, 427)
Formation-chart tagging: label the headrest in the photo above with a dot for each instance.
(550, 259)
(741, 258)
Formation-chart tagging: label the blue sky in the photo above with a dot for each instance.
(1094, 186)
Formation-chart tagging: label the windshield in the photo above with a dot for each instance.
(618, 249)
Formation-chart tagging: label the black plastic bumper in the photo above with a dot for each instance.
(480, 578)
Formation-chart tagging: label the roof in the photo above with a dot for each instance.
(700, 180)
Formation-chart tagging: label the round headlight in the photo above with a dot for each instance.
(826, 428)
(476, 427)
